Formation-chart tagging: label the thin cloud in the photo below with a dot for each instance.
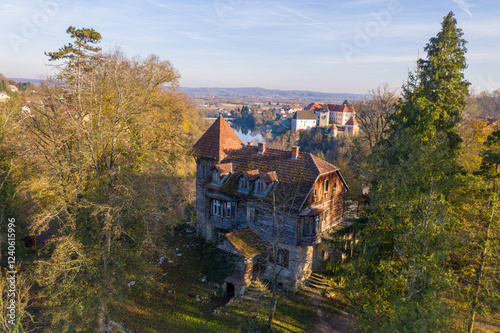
(195, 36)
(464, 6)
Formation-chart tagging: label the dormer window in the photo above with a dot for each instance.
(243, 184)
(216, 177)
(260, 187)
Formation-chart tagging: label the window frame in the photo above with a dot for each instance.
(282, 257)
(216, 207)
(260, 186)
(228, 209)
(216, 176)
(243, 181)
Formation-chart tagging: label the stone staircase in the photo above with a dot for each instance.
(257, 291)
(320, 284)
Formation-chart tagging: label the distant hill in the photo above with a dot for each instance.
(34, 81)
(271, 93)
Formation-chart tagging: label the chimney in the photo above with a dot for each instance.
(295, 152)
(262, 147)
(250, 143)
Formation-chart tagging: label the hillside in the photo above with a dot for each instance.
(270, 93)
(34, 81)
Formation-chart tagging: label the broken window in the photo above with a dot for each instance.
(229, 209)
(311, 225)
(282, 257)
(216, 207)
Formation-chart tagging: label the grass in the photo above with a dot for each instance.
(175, 300)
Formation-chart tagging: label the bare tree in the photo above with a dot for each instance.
(373, 113)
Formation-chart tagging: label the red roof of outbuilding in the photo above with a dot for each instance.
(247, 242)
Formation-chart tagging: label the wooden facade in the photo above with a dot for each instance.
(235, 187)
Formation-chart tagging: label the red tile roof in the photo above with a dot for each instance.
(340, 108)
(247, 242)
(251, 174)
(331, 107)
(296, 176)
(217, 141)
(352, 122)
(225, 168)
(314, 106)
(269, 177)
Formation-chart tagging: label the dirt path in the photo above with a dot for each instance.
(332, 318)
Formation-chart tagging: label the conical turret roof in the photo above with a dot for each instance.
(217, 141)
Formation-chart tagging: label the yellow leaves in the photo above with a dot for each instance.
(474, 134)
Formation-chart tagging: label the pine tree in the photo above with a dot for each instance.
(435, 95)
(401, 265)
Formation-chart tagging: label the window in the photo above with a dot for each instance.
(334, 186)
(229, 209)
(216, 177)
(325, 186)
(315, 193)
(216, 207)
(310, 226)
(282, 257)
(261, 187)
(243, 186)
(251, 213)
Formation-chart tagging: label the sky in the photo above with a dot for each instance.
(325, 46)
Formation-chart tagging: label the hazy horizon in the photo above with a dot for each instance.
(320, 46)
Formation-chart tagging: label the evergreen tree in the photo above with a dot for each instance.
(435, 95)
(401, 268)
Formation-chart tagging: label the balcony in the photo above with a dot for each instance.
(222, 222)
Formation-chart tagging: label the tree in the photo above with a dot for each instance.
(435, 95)
(109, 141)
(373, 114)
(401, 266)
(480, 237)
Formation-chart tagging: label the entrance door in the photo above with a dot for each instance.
(229, 289)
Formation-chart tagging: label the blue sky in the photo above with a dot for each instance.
(327, 46)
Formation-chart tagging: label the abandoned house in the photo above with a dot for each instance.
(268, 206)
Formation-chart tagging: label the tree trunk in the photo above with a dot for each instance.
(273, 307)
(477, 285)
(101, 320)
